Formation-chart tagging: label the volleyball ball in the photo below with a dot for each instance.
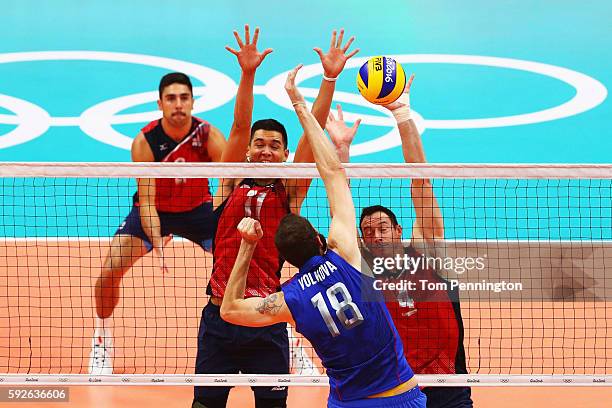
(381, 80)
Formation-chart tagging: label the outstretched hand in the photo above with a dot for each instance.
(292, 90)
(250, 230)
(334, 60)
(404, 99)
(341, 135)
(248, 56)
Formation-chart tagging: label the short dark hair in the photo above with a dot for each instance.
(296, 240)
(367, 211)
(270, 124)
(174, 78)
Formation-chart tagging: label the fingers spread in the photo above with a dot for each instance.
(340, 37)
(238, 39)
(256, 36)
(409, 82)
(330, 117)
(233, 51)
(247, 35)
(348, 44)
(333, 40)
(352, 53)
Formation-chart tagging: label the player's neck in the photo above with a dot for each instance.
(176, 133)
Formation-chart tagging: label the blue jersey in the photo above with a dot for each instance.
(336, 308)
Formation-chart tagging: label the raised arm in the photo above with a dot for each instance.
(342, 234)
(249, 59)
(429, 224)
(255, 311)
(333, 63)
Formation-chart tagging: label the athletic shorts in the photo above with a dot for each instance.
(197, 225)
(413, 398)
(448, 397)
(225, 348)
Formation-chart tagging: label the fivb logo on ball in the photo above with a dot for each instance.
(381, 80)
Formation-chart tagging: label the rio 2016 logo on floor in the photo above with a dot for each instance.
(97, 121)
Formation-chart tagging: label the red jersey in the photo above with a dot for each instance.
(430, 326)
(180, 195)
(268, 204)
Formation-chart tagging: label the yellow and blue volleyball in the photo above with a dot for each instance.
(381, 80)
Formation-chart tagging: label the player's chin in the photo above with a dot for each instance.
(179, 118)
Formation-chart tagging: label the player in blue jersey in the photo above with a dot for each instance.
(329, 301)
(429, 321)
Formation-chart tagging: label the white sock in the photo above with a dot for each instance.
(292, 336)
(103, 328)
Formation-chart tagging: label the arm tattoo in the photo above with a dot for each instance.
(268, 305)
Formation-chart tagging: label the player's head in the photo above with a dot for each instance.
(268, 142)
(297, 240)
(380, 230)
(176, 98)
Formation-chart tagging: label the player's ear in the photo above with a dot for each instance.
(286, 154)
(399, 230)
(159, 104)
(248, 153)
(322, 243)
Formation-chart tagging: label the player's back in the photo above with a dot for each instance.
(335, 307)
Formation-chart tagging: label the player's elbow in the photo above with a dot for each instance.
(229, 312)
(226, 311)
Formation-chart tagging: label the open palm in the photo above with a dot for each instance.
(334, 60)
(340, 134)
(248, 56)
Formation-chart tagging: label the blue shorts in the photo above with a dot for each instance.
(225, 348)
(448, 397)
(413, 398)
(197, 225)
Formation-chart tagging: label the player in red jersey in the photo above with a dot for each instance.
(161, 206)
(430, 324)
(224, 348)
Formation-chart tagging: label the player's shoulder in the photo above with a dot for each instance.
(200, 120)
(150, 126)
(209, 128)
(141, 150)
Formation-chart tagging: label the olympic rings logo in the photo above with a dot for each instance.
(97, 121)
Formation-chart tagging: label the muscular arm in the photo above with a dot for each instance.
(255, 311)
(141, 152)
(298, 188)
(236, 148)
(342, 234)
(241, 127)
(216, 144)
(249, 59)
(429, 224)
(333, 63)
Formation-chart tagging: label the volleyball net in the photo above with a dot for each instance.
(528, 249)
